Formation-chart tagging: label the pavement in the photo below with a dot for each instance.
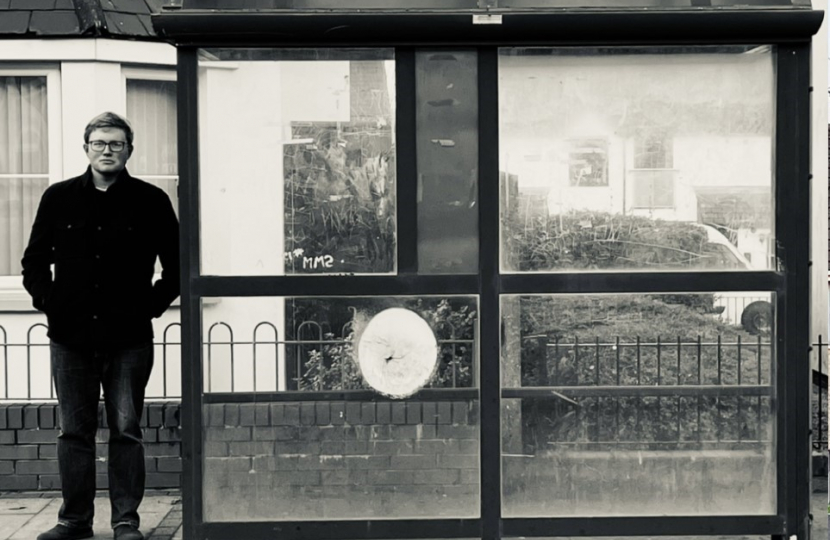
(24, 515)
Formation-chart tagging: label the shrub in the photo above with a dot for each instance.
(339, 202)
(332, 365)
(613, 341)
(584, 240)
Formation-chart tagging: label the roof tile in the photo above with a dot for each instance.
(4, 4)
(124, 24)
(64, 4)
(33, 4)
(108, 5)
(15, 22)
(54, 23)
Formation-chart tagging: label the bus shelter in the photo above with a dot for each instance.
(494, 269)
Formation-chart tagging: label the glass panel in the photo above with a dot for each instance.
(151, 108)
(447, 137)
(24, 151)
(24, 129)
(636, 159)
(297, 157)
(19, 200)
(648, 404)
(395, 436)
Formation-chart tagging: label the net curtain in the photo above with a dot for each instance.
(24, 163)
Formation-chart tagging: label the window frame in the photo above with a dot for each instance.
(13, 297)
(666, 166)
(129, 73)
(586, 146)
(149, 74)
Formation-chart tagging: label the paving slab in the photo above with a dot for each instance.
(152, 510)
(13, 507)
(26, 517)
(9, 524)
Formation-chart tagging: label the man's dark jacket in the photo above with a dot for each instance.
(103, 246)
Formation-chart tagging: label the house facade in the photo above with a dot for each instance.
(62, 63)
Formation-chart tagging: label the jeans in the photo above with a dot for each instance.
(79, 375)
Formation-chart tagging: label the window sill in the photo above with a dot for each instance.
(15, 299)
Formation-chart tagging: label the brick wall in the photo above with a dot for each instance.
(325, 456)
(341, 460)
(28, 446)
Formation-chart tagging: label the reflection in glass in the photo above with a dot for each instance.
(636, 159)
(353, 452)
(657, 404)
(297, 161)
(447, 143)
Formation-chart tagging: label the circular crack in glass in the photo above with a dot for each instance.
(397, 353)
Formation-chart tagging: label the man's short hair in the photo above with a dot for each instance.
(109, 120)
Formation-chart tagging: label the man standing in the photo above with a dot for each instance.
(102, 231)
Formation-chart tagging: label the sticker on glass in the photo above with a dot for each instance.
(397, 353)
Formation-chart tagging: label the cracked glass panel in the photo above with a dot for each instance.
(330, 408)
(636, 159)
(638, 405)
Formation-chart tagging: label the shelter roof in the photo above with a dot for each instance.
(505, 6)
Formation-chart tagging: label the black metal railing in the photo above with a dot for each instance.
(659, 393)
(562, 377)
(315, 359)
(27, 373)
(819, 395)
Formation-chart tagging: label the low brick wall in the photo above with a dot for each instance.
(268, 452)
(341, 460)
(28, 446)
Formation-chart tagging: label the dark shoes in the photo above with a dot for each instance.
(128, 532)
(60, 532)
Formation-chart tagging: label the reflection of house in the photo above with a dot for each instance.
(604, 142)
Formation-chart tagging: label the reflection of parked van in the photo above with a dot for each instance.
(750, 310)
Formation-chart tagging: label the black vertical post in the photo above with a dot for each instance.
(406, 158)
(191, 315)
(792, 166)
(490, 382)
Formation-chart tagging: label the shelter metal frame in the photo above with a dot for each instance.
(788, 30)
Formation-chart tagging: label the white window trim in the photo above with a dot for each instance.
(89, 50)
(13, 297)
(143, 74)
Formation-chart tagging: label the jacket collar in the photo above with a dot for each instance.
(87, 182)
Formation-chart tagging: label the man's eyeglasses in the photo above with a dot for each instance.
(115, 146)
